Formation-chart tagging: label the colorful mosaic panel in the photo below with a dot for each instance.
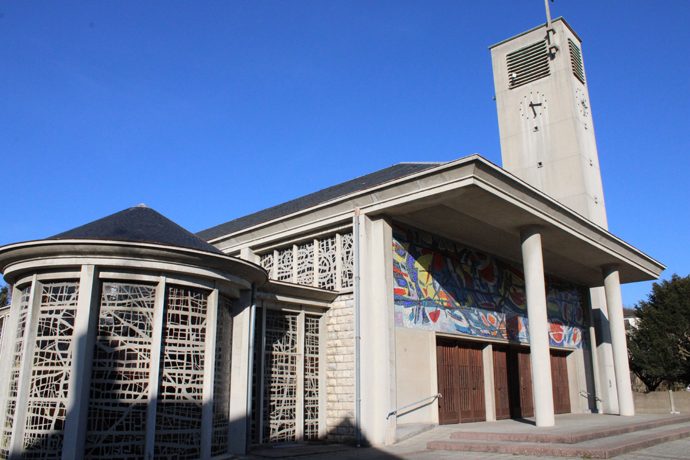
(446, 287)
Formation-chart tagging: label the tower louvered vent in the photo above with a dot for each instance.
(576, 61)
(527, 64)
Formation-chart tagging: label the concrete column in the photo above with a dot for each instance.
(83, 343)
(489, 393)
(606, 376)
(299, 403)
(212, 313)
(377, 361)
(9, 343)
(614, 302)
(240, 374)
(16, 446)
(154, 365)
(248, 254)
(540, 357)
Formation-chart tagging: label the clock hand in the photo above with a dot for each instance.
(532, 106)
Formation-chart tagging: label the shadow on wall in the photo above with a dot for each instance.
(601, 327)
(344, 448)
(178, 436)
(111, 409)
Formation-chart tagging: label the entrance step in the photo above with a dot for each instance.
(596, 442)
(406, 431)
(572, 437)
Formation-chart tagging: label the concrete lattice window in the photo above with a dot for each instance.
(178, 409)
(325, 262)
(146, 390)
(120, 375)
(288, 408)
(52, 361)
(311, 377)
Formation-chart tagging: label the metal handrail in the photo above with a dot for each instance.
(432, 398)
(586, 394)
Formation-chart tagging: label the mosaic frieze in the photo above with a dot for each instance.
(446, 287)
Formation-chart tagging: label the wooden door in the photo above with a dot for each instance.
(559, 379)
(447, 370)
(501, 386)
(461, 382)
(526, 400)
(472, 405)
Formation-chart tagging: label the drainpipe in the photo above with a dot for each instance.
(250, 363)
(358, 337)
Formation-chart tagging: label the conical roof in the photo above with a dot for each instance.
(139, 224)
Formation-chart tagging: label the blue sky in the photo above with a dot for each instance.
(207, 111)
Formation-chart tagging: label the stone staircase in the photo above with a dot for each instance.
(596, 436)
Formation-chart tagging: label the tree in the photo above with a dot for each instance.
(659, 347)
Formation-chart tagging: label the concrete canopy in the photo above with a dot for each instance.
(472, 201)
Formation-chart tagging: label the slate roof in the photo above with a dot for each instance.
(139, 224)
(355, 185)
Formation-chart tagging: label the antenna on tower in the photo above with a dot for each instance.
(548, 13)
(553, 49)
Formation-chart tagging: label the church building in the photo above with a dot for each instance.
(422, 293)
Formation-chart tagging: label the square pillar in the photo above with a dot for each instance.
(540, 356)
(602, 352)
(84, 341)
(619, 345)
(212, 313)
(377, 360)
(241, 370)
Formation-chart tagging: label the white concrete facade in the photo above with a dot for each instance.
(397, 366)
(347, 245)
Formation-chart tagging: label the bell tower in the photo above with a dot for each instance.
(547, 139)
(545, 118)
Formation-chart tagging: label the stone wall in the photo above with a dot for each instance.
(340, 369)
(659, 402)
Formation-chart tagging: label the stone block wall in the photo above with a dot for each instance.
(340, 369)
(659, 402)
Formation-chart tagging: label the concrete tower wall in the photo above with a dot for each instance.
(545, 120)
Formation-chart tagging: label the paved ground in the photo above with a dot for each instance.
(672, 450)
(411, 450)
(415, 447)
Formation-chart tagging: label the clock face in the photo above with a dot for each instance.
(533, 106)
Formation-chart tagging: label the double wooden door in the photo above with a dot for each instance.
(460, 381)
(513, 382)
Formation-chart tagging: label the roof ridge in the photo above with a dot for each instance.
(309, 200)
